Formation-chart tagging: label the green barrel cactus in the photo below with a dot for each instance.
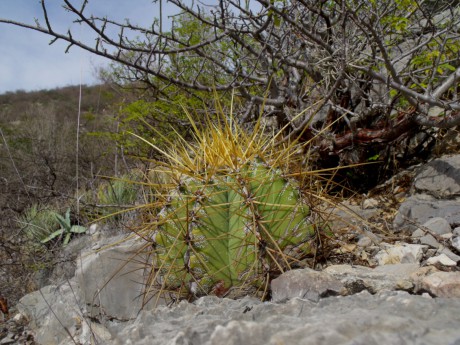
(231, 230)
(229, 215)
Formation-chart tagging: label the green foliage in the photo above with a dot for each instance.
(117, 193)
(37, 223)
(67, 229)
(373, 158)
(439, 55)
(397, 23)
(142, 117)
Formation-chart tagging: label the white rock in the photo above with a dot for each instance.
(18, 317)
(388, 277)
(113, 278)
(92, 229)
(401, 254)
(305, 283)
(442, 284)
(448, 253)
(364, 242)
(447, 236)
(442, 259)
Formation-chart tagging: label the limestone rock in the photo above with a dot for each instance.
(442, 259)
(384, 318)
(57, 311)
(440, 177)
(449, 254)
(346, 215)
(441, 284)
(456, 231)
(417, 234)
(112, 279)
(305, 283)
(429, 240)
(455, 241)
(381, 278)
(437, 184)
(418, 209)
(370, 203)
(364, 242)
(400, 253)
(438, 226)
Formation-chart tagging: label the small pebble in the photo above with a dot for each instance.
(447, 236)
(418, 233)
(449, 254)
(370, 203)
(455, 241)
(430, 241)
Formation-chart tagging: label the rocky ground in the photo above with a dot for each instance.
(405, 290)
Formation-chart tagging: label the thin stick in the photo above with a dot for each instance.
(78, 144)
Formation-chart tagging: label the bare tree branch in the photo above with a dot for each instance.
(352, 67)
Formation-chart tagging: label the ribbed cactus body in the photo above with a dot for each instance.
(230, 229)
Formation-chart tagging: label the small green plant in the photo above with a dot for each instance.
(67, 229)
(112, 198)
(118, 193)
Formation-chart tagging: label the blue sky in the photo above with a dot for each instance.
(28, 62)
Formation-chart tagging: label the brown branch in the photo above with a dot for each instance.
(363, 136)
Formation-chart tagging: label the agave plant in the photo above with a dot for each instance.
(232, 216)
(67, 229)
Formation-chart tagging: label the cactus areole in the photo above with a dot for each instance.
(229, 229)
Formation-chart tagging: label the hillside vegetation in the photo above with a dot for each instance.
(40, 164)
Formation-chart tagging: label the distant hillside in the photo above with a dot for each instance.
(39, 164)
(38, 147)
(65, 100)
